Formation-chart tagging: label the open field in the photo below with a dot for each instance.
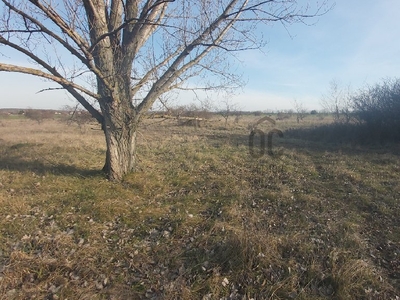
(201, 218)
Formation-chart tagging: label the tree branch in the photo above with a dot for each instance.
(57, 20)
(35, 72)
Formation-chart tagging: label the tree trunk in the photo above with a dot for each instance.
(120, 126)
(121, 150)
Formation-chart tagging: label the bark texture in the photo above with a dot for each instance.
(121, 153)
(120, 127)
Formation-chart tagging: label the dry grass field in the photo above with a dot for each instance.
(201, 218)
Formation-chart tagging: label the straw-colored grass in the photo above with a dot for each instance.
(200, 219)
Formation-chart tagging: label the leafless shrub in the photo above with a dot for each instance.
(78, 117)
(196, 122)
(177, 111)
(283, 115)
(228, 109)
(38, 115)
(190, 115)
(197, 111)
(379, 107)
(238, 115)
(300, 110)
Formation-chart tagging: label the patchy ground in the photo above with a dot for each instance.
(200, 219)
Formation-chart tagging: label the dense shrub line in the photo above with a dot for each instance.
(379, 108)
(371, 114)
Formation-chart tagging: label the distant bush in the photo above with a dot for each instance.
(80, 118)
(379, 108)
(191, 111)
(313, 112)
(283, 116)
(38, 115)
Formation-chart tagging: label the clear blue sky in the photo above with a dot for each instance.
(357, 43)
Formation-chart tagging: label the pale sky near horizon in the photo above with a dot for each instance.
(357, 43)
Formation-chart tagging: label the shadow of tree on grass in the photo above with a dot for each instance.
(351, 139)
(18, 158)
(346, 134)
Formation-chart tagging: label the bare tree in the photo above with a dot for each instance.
(134, 51)
(338, 102)
(228, 109)
(300, 110)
